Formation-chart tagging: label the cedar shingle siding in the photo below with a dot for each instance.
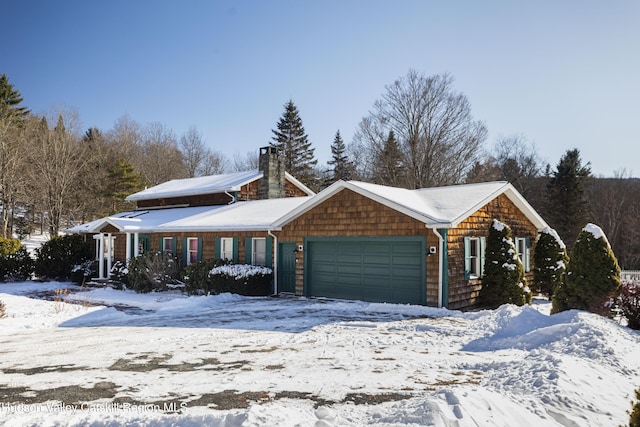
(464, 293)
(349, 214)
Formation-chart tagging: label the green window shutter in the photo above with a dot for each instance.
(185, 251)
(247, 250)
(467, 258)
(175, 247)
(483, 245)
(160, 244)
(527, 255)
(199, 248)
(218, 248)
(269, 252)
(236, 250)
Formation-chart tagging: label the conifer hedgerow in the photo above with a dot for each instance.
(503, 281)
(592, 277)
(550, 260)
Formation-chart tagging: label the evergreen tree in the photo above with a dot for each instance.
(550, 259)
(10, 99)
(592, 277)
(387, 164)
(291, 139)
(123, 181)
(567, 206)
(503, 281)
(342, 166)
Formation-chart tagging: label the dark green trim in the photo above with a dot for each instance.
(444, 232)
(248, 250)
(236, 251)
(421, 239)
(218, 248)
(268, 256)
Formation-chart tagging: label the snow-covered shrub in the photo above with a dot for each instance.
(196, 276)
(592, 279)
(17, 266)
(629, 303)
(242, 279)
(3, 310)
(119, 275)
(153, 271)
(503, 281)
(634, 415)
(55, 259)
(550, 259)
(82, 272)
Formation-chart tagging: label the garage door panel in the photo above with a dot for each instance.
(370, 269)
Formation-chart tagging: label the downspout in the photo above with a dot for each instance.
(233, 198)
(275, 262)
(440, 263)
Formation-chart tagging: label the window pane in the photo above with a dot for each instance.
(193, 245)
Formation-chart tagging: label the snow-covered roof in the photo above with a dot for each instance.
(438, 207)
(206, 185)
(240, 216)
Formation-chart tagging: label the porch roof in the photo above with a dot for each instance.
(240, 216)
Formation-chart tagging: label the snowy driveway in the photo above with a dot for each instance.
(225, 360)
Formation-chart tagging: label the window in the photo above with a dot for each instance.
(259, 254)
(523, 250)
(226, 248)
(474, 257)
(167, 245)
(192, 250)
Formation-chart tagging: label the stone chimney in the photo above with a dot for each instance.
(270, 163)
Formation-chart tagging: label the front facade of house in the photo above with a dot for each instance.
(353, 240)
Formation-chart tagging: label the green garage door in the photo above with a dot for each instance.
(376, 269)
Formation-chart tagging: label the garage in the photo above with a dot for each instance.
(376, 269)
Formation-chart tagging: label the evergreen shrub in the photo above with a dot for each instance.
(9, 246)
(84, 271)
(241, 279)
(629, 303)
(550, 260)
(119, 275)
(634, 415)
(503, 281)
(153, 271)
(18, 266)
(56, 258)
(196, 277)
(592, 279)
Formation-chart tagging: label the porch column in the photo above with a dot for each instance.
(109, 253)
(136, 244)
(101, 258)
(128, 247)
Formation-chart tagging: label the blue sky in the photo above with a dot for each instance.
(562, 74)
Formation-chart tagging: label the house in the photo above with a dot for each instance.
(353, 240)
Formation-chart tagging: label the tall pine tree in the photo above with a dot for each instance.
(342, 166)
(291, 139)
(567, 207)
(387, 165)
(10, 99)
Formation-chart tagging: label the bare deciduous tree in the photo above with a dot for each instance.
(57, 161)
(433, 123)
(162, 158)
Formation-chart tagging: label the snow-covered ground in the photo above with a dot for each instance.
(173, 360)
